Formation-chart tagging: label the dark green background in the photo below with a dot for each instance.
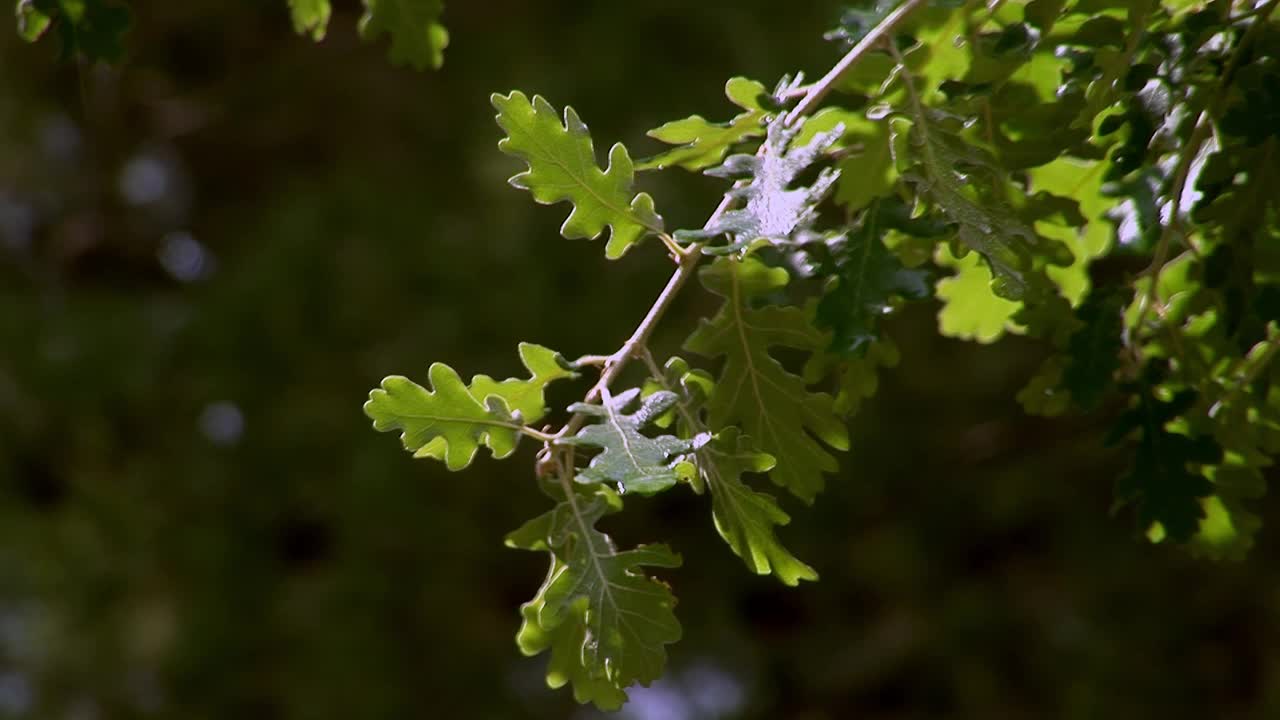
(355, 222)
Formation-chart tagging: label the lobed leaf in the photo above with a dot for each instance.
(631, 459)
(869, 277)
(447, 423)
(451, 423)
(755, 391)
(562, 167)
(943, 163)
(1161, 482)
(703, 143)
(605, 622)
(774, 210)
(745, 518)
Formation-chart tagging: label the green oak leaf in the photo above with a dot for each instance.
(703, 143)
(526, 397)
(774, 210)
(565, 642)
(626, 618)
(945, 165)
(636, 462)
(446, 423)
(1161, 483)
(310, 17)
(743, 517)
(755, 391)
(417, 37)
(562, 166)
(869, 278)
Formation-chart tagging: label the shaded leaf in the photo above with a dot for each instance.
(1094, 349)
(626, 617)
(562, 166)
(92, 28)
(1161, 482)
(869, 277)
(743, 517)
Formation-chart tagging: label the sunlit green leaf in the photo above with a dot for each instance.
(562, 167)
(417, 37)
(447, 422)
(703, 143)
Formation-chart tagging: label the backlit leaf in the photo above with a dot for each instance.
(417, 37)
(447, 422)
(562, 167)
(703, 143)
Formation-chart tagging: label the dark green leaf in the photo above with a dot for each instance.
(755, 391)
(635, 462)
(869, 277)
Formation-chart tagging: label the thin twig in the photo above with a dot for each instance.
(688, 262)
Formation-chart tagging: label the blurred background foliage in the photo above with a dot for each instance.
(210, 252)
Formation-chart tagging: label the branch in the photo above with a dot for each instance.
(688, 260)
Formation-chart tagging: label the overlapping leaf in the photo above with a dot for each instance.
(869, 277)
(774, 210)
(1094, 349)
(596, 607)
(562, 167)
(945, 164)
(526, 397)
(1162, 482)
(703, 143)
(417, 37)
(636, 462)
(755, 391)
(745, 518)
